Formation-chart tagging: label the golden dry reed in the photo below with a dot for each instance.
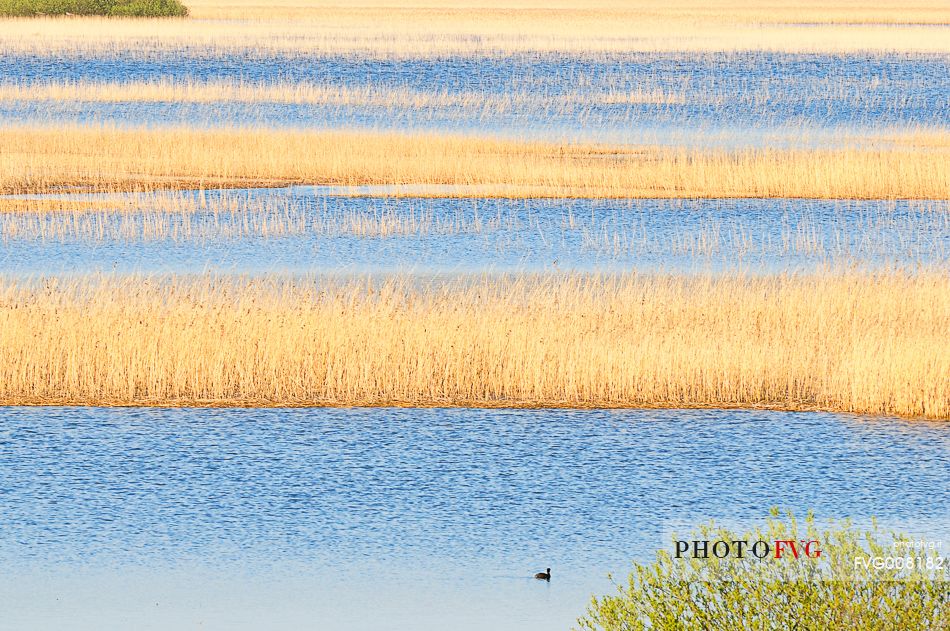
(856, 342)
(97, 158)
(230, 91)
(422, 28)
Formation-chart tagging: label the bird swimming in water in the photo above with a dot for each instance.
(544, 576)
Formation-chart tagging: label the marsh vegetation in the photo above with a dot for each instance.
(42, 160)
(605, 253)
(111, 8)
(869, 343)
(834, 589)
(751, 304)
(386, 28)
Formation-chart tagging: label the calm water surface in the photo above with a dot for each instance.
(407, 518)
(476, 235)
(719, 99)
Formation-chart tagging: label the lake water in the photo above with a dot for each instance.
(408, 518)
(731, 99)
(455, 235)
(741, 99)
(351, 519)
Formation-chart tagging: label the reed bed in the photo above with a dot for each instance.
(427, 29)
(306, 93)
(741, 11)
(866, 343)
(96, 158)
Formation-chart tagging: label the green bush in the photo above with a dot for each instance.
(118, 8)
(830, 592)
(149, 8)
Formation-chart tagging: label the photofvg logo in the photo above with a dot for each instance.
(781, 548)
(744, 548)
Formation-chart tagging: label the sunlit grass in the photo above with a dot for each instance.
(47, 159)
(870, 343)
(425, 29)
(743, 11)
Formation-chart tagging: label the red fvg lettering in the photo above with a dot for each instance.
(809, 548)
(781, 544)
